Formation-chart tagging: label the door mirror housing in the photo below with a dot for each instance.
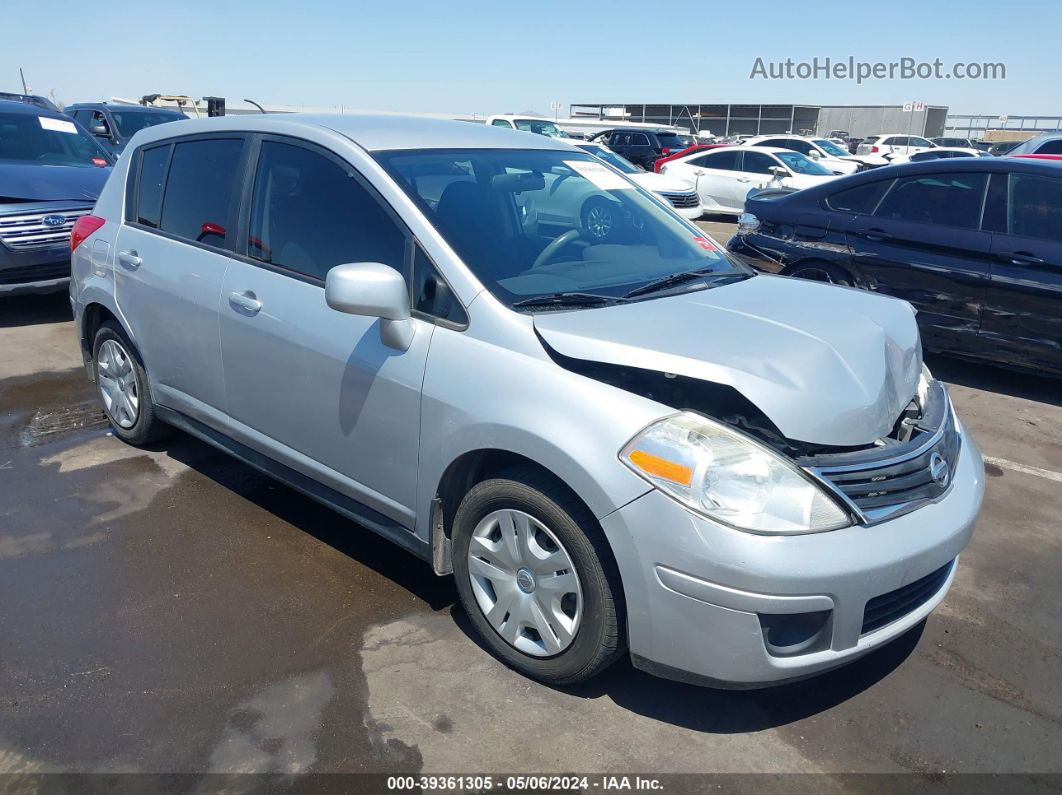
(99, 130)
(779, 172)
(814, 154)
(372, 289)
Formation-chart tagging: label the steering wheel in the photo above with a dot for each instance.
(558, 243)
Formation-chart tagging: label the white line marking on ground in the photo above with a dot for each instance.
(1040, 473)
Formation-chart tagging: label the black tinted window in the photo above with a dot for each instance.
(199, 190)
(1050, 148)
(945, 199)
(639, 139)
(727, 161)
(757, 163)
(862, 199)
(1036, 206)
(309, 214)
(431, 293)
(149, 194)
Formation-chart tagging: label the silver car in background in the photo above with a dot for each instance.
(616, 440)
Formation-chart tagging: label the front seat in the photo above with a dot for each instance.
(466, 217)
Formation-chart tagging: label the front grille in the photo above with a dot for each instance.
(894, 605)
(682, 200)
(35, 273)
(891, 484)
(27, 231)
(899, 477)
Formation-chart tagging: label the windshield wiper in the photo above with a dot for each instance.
(568, 299)
(668, 281)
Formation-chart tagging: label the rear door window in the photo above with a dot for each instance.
(726, 161)
(1050, 148)
(1035, 207)
(862, 199)
(953, 200)
(203, 177)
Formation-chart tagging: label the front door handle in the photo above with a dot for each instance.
(1021, 258)
(875, 234)
(246, 301)
(129, 259)
(743, 179)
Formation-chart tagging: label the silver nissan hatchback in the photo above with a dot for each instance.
(506, 357)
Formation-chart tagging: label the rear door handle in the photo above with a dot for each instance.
(875, 234)
(129, 259)
(1021, 258)
(246, 301)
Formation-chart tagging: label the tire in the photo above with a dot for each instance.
(821, 272)
(123, 387)
(586, 624)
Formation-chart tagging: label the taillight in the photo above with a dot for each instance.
(83, 227)
(99, 161)
(873, 149)
(666, 151)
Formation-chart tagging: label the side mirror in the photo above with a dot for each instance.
(779, 172)
(373, 289)
(814, 154)
(99, 130)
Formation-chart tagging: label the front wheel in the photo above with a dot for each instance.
(536, 578)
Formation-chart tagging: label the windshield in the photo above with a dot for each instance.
(830, 148)
(48, 140)
(132, 122)
(799, 164)
(541, 127)
(610, 157)
(533, 223)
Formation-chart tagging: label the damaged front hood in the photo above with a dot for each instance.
(827, 365)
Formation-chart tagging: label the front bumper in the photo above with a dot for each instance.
(690, 213)
(40, 271)
(699, 594)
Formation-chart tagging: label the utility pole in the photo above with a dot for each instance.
(20, 74)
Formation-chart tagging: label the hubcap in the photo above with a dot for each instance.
(117, 384)
(525, 583)
(599, 222)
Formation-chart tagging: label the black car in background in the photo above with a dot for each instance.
(114, 124)
(51, 173)
(644, 147)
(975, 244)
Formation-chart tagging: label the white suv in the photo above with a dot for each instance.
(885, 146)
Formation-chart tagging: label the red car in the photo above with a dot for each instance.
(689, 150)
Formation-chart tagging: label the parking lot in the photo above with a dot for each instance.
(170, 609)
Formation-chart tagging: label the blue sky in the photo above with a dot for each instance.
(464, 57)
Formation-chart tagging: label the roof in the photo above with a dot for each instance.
(122, 106)
(374, 132)
(11, 106)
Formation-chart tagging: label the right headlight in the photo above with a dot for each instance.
(729, 477)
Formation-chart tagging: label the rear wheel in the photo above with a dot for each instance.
(123, 387)
(536, 578)
(821, 272)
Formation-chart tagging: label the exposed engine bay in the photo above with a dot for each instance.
(725, 404)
